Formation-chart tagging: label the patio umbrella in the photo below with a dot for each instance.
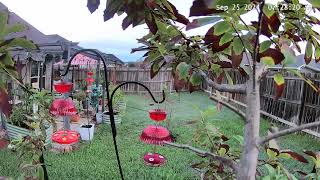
(63, 107)
(155, 135)
(65, 137)
(158, 114)
(154, 159)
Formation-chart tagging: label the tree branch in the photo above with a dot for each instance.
(288, 131)
(257, 45)
(236, 110)
(238, 88)
(229, 162)
(262, 72)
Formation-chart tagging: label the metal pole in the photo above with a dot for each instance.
(109, 98)
(45, 172)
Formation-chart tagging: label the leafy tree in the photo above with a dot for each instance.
(271, 38)
(8, 68)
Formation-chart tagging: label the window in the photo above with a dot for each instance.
(38, 74)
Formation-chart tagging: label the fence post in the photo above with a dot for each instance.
(137, 79)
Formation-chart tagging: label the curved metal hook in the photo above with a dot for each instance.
(112, 123)
(140, 84)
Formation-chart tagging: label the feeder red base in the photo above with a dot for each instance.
(65, 137)
(154, 159)
(155, 135)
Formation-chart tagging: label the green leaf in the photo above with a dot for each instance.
(7, 60)
(161, 26)
(272, 153)
(202, 22)
(317, 55)
(23, 43)
(309, 52)
(271, 170)
(230, 81)
(16, 28)
(268, 61)
(40, 173)
(289, 26)
(167, 5)
(222, 151)
(3, 23)
(152, 56)
(267, 10)
(294, 155)
(239, 139)
(278, 78)
(289, 55)
(237, 46)
(315, 3)
(264, 46)
(196, 79)
(183, 70)
(227, 37)
(222, 27)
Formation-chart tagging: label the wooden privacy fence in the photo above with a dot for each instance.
(122, 74)
(299, 103)
(162, 80)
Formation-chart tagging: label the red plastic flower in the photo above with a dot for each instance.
(63, 107)
(155, 135)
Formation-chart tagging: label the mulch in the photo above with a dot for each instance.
(3, 143)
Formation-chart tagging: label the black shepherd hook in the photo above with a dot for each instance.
(140, 84)
(109, 98)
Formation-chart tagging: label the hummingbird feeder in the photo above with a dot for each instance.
(158, 114)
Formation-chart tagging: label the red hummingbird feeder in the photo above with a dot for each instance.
(154, 159)
(63, 107)
(90, 73)
(89, 80)
(155, 135)
(158, 114)
(65, 137)
(63, 87)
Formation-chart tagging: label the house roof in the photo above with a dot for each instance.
(30, 33)
(48, 44)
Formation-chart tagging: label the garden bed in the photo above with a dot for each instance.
(15, 132)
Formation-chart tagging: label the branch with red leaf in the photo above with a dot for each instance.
(288, 131)
(237, 88)
(232, 164)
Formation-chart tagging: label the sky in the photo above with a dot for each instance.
(72, 20)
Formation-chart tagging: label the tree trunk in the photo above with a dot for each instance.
(249, 158)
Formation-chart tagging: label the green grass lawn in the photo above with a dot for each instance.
(97, 160)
